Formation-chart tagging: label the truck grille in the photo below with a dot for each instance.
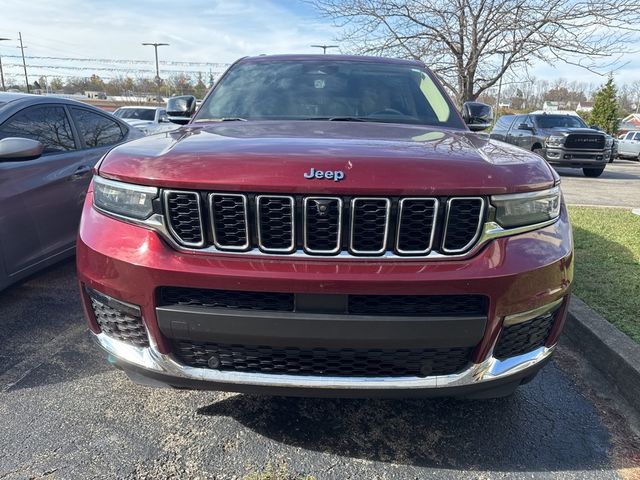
(379, 305)
(323, 361)
(323, 225)
(584, 141)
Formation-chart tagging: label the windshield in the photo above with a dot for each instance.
(331, 90)
(136, 113)
(560, 121)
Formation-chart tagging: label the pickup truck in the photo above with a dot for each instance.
(563, 140)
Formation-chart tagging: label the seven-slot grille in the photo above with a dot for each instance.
(324, 225)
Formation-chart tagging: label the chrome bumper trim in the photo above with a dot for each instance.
(149, 358)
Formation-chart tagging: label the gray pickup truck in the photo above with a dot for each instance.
(563, 140)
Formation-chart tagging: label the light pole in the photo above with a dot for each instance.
(324, 47)
(503, 53)
(155, 47)
(4, 89)
(24, 62)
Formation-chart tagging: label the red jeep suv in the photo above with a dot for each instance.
(326, 225)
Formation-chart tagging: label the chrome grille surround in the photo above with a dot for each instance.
(489, 230)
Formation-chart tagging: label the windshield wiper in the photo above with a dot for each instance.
(341, 119)
(222, 119)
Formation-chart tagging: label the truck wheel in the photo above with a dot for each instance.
(593, 172)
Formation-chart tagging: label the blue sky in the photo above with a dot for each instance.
(198, 30)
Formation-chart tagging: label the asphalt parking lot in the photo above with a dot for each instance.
(66, 413)
(618, 186)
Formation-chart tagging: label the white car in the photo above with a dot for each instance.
(149, 120)
(629, 145)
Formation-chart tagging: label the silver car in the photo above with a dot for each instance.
(48, 147)
(629, 145)
(149, 120)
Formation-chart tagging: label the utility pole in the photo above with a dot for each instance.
(4, 89)
(324, 47)
(503, 53)
(155, 47)
(24, 63)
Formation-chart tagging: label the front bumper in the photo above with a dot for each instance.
(516, 274)
(148, 366)
(563, 157)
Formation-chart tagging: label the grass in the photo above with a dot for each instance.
(607, 264)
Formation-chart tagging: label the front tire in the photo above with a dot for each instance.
(593, 172)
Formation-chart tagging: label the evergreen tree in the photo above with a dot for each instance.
(605, 108)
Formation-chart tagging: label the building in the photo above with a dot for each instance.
(585, 107)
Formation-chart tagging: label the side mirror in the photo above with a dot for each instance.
(524, 126)
(594, 127)
(181, 109)
(478, 116)
(18, 148)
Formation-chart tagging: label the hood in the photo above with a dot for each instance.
(373, 158)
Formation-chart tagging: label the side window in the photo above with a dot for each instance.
(503, 123)
(629, 136)
(637, 137)
(97, 130)
(47, 124)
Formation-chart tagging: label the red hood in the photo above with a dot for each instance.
(376, 158)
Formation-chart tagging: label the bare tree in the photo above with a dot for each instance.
(471, 44)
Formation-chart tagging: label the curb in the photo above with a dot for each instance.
(609, 350)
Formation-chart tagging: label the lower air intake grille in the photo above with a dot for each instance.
(227, 299)
(524, 337)
(323, 361)
(119, 320)
(418, 305)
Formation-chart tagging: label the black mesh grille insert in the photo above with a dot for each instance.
(389, 305)
(183, 213)
(584, 141)
(230, 221)
(524, 337)
(323, 361)
(122, 325)
(275, 219)
(418, 305)
(369, 224)
(462, 223)
(322, 227)
(226, 299)
(417, 218)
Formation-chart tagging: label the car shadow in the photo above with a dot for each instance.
(546, 426)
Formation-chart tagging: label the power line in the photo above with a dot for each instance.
(122, 61)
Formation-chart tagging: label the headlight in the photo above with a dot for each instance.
(608, 142)
(516, 210)
(125, 199)
(555, 141)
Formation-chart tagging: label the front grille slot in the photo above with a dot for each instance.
(584, 141)
(463, 223)
(230, 221)
(524, 337)
(185, 217)
(323, 225)
(276, 223)
(369, 225)
(349, 362)
(233, 299)
(416, 225)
